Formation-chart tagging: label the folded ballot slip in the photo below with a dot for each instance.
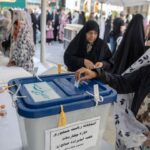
(77, 83)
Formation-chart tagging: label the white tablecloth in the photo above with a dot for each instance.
(8, 73)
(9, 130)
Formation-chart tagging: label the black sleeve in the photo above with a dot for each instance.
(71, 60)
(122, 84)
(39, 22)
(105, 57)
(34, 20)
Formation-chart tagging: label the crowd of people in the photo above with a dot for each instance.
(115, 51)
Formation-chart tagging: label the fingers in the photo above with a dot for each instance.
(88, 64)
(85, 78)
(88, 74)
(91, 67)
(79, 72)
(99, 65)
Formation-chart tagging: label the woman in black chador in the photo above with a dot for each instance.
(131, 47)
(87, 50)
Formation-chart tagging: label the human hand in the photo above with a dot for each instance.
(88, 64)
(11, 63)
(87, 74)
(99, 65)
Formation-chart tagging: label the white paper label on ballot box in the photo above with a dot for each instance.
(77, 136)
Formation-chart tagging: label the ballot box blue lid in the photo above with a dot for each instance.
(43, 97)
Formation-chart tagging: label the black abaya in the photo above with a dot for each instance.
(77, 50)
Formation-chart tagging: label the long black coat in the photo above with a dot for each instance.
(131, 47)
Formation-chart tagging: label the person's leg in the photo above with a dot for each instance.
(55, 33)
(34, 34)
(49, 41)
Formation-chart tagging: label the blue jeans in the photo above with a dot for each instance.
(112, 45)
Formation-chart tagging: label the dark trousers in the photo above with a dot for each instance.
(55, 33)
(34, 35)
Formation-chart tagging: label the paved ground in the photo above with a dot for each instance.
(53, 53)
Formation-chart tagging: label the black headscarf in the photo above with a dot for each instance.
(132, 45)
(76, 51)
(118, 22)
(82, 18)
(89, 26)
(80, 40)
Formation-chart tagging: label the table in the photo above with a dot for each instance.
(9, 129)
(10, 138)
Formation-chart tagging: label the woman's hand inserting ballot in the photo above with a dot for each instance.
(84, 74)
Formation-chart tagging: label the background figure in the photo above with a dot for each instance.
(91, 16)
(75, 17)
(49, 16)
(82, 19)
(34, 24)
(102, 25)
(22, 46)
(5, 29)
(116, 32)
(56, 24)
(107, 29)
(63, 22)
(69, 18)
(49, 32)
(132, 45)
(128, 18)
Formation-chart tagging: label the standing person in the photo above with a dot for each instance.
(34, 24)
(91, 16)
(132, 119)
(56, 24)
(49, 32)
(69, 17)
(116, 32)
(131, 47)
(128, 18)
(82, 19)
(107, 29)
(75, 17)
(63, 22)
(22, 45)
(87, 49)
(39, 22)
(102, 24)
(49, 16)
(5, 28)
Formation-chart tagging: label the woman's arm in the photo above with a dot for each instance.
(72, 61)
(122, 84)
(105, 57)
